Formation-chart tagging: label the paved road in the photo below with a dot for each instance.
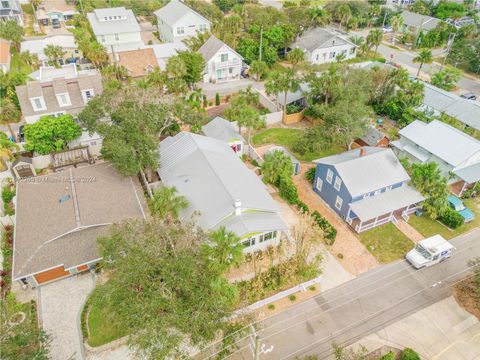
(406, 58)
(364, 305)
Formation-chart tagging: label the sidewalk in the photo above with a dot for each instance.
(409, 230)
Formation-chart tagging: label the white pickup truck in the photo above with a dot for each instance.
(430, 251)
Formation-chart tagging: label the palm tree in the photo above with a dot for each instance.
(223, 250)
(54, 53)
(97, 54)
(396, 22)
(344, 13)
(9, 114)
(320, 16)
(6, 150)
(30, 59)
(157, 78)
(176, 67)
(167, 204)
(359, 41)
(374, 38)
(295, 57)
(282, 82)
(195, 42)
(423, 57)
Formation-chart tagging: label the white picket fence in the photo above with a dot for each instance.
(281, 295)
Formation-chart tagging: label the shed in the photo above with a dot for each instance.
(373, 137)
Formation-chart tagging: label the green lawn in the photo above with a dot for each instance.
(288, 137)
(104, 325)
(386, 243)
(428, 227)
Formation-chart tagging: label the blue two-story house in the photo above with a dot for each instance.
(367, 187)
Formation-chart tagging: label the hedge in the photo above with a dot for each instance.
(410, 354)
(330, 233)
(452, 219)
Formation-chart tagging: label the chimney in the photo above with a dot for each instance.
(363, 152)
(238, 207)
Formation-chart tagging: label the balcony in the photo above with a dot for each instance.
(227, 64)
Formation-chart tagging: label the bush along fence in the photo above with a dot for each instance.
(329, 232)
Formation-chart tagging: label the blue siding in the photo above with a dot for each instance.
(329, 193)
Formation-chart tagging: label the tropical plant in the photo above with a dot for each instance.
(54, 53)
(423, 57)
(9, 114)
(97, 54)
(447, 78)
(195, 42)
(374, 38)
(7, 148)
(282, 82)
(167, 204)
(11, 31)
(223, 250)
(30, 59)
(396, 22)
(294, 58)
(276, 165)
(258, 68)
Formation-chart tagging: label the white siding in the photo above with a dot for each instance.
(191, 23)
(324, 55)
(230, 69)
(125, 38)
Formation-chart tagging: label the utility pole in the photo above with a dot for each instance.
(261, 44)
(451, 39)
(81, 7)
(384, 19)
(256, 352)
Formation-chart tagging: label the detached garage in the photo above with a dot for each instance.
(59, 217)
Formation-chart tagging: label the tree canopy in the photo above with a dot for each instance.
(50, 134)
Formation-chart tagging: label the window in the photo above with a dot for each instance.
(249, 242)
(180, 30)
(317, 57)
(203, 27)
(230, 71)
(329, 176)
(5, 4)
(102, 38)
(105, 18)
(338, 202)
(352, 50)
(116, 37)
(319, 184)
(38, 103)
(224, 57)
(109, 18)
(63, 99)
(338, 183)
(332, 55)
(87, 95)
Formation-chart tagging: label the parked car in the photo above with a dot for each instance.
(387, 29)
(469, 96)
(56, 24)
(460, 207)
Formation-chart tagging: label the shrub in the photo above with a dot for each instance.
(217, 99)
(271, 307)
(302, 207)
(7, 194)
(452, 219)
(388, 356)
(312, 288)
(310, 175)
(329, 232)
(409, 354)
(255, 163)
(244, 157)
(292, 297)
(288, 191)
(340, 255)
(293, 108)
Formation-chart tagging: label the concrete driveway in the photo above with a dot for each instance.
(60, 304)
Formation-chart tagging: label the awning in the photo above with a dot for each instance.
(385, 203)
(417, 153)
(253, 222)
(469, 174)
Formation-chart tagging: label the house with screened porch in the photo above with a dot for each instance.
(367, 187)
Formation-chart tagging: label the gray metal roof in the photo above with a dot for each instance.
(221, 129)
(442, 140)
(417, 20)
(58, 223)
(386, 202)
(373, 136)
(253, 222)
(174, 11)
(466, 111)
(376, 169)
(127, 24)
(303, 90)
(212, 46)
(319, 38)
(470, 174)
(209, 174)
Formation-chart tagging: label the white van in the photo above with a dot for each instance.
(430, 251)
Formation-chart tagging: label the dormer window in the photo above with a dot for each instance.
(38, 103)
(105, 18)
(87, 95)
(116, 37)
(180, 30)
(63, 100)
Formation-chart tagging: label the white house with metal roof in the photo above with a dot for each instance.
(322, 46)
(456, 153)
(66, 42)
(438, 101)
(414, 22)
(224, 130)
(176, 21)
(116, 28)
(367, 187)
(222, 63)
(220, 189)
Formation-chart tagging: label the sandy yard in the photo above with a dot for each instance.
(356, 258)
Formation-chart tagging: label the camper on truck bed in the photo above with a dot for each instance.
(430, 251)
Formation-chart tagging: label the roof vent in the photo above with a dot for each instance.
(238, 207)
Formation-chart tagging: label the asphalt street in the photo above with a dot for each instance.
(347, 313)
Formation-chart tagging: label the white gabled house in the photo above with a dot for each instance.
(222, 63)
(224, 130)
(116, 28)
(323, 46)
(176, 21)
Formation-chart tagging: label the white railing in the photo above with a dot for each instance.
(224, 64)
(362, 228)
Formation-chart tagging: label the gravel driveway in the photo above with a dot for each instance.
(59, 309)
